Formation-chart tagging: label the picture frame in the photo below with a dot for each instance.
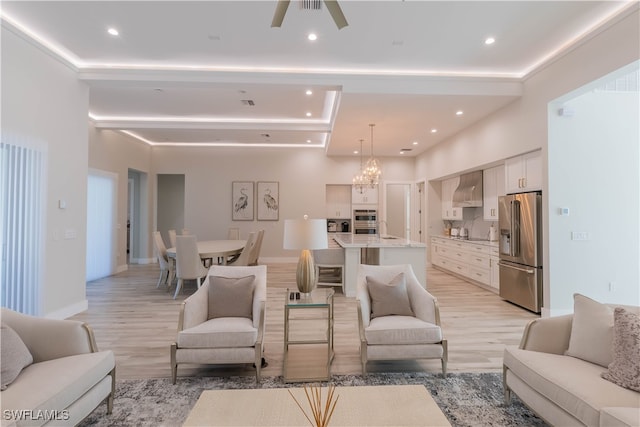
(242, 200)
(268, 200)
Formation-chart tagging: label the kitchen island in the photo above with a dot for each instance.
(379, 250)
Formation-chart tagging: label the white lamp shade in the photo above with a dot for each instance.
(305, 234)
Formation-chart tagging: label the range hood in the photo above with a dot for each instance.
(469, 191)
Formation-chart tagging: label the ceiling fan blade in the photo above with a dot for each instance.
(336, 13)
(278, 16)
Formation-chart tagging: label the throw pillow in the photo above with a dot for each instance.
(624, 370)
(591, 331)
(231, 296)
(389, 298)
(14, 355)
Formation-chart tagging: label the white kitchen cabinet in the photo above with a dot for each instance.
(495, 272)
(474, 262)
(367, 197)
(338, 201)
(493, 187)
(524, 173)
(448, 211)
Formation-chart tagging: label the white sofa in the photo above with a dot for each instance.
(68, 378)
(562, 389)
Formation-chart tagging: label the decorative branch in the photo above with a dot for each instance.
(320, 413)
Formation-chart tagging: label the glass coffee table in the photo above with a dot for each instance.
(308, 335)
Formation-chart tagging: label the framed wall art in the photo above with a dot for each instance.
(242, 200)
(268, 201)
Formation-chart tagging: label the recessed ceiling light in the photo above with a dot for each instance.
(308, 114)
(434, 130)
(308, 141)
(459, 113)
(113, 31)
(309, 92)
(401, 152)
(355, 151)
(312, 37)
(415, 142)
(489, 40)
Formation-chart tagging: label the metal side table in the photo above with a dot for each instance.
(308, 336)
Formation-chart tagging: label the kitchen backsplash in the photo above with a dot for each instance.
(478, 228)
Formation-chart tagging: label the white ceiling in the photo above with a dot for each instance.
(179, 71)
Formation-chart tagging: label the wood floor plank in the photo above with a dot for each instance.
(130, 316)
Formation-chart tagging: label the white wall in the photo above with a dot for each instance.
(43, 100)
(522, 126)
(594, 171)
(302, 175)
(115, 152)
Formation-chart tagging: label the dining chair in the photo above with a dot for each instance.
(255, 250)
(172, 238)
(244, 257)
(166, 266)
(188, 263)
(233, 233)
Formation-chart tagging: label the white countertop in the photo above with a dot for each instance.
(477, 241)
(367, 241)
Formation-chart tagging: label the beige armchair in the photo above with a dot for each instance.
(413, 333)
(221, 323)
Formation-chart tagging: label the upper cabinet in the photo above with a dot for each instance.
(493, 187)
(524, 173)
(448, 211)
(338, 201)
(367, 197)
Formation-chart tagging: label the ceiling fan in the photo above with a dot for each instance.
(332, 6)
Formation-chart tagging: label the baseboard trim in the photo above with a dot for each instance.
(68, 311)
(121, 268)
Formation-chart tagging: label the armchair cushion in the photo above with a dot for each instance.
(399, 330)
(221, 332)
(231, 296)
(624, 369)
(14, 357)
(389, 298)
(591, 331)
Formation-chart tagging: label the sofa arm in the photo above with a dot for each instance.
(49, 339)
(548, 335)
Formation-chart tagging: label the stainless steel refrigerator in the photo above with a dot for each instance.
(520, 243)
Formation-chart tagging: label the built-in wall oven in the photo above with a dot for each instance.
(365, 221)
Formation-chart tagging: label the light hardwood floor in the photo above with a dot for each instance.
(138, 322)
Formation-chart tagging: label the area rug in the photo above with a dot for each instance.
(467, 399)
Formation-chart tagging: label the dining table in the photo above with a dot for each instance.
(212, 249)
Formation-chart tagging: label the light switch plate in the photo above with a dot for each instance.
(580, 235)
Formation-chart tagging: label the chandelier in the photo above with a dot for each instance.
(360, 181)
(372, 169)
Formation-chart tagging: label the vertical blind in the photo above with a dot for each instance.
(21, 195)
(101, 190)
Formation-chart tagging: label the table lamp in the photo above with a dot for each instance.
(305, 234)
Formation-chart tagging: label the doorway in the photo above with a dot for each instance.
(170, 205)
(137, 235)
(398, 210)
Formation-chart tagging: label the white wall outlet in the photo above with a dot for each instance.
(580, 235)
(564, 211)
(612, 286)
